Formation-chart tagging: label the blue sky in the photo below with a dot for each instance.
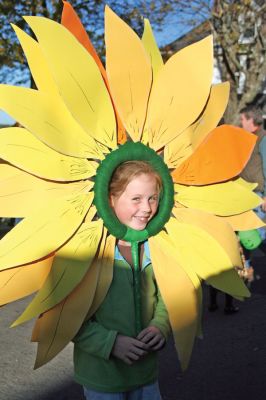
(5, 119)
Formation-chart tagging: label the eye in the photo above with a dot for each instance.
(136, 199)
(153, 198)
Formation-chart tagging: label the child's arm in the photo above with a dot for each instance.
(156, 334)
(95, 339)
(160, 318)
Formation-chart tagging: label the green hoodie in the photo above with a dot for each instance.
(94, 366)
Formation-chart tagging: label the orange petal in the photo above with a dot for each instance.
(222, 156)
(72, 22)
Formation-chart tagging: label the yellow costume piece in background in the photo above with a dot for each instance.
(69, 124)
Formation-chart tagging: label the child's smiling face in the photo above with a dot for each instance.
(136, 206)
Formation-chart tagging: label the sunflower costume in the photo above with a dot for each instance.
(78, 125)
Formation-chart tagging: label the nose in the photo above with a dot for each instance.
(146, 207)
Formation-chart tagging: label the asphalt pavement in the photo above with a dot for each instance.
(228, 364)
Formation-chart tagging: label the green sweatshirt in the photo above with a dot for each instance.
(94, 365)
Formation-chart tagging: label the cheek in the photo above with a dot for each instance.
(123, 211)
(154, 208)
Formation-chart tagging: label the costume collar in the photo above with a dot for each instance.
(146, 256)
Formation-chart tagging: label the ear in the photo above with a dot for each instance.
(254, 126)
(112, 201)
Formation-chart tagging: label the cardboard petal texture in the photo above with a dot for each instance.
(49, 120)
(32, 276)
(221, 199)
(72, 22)
(23, 150)
(179, 294)
(37, 62)
(152, 49)
(244, 221)
(22, 193)
(170, 108)
(44, 232)
(208, 165)
(80, 84)
(179, 149)
(129, 77)
(70, 265)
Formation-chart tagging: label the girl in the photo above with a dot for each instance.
(111, 360)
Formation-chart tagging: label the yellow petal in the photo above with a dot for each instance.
(22, 149)
(44, 231)
(91, 213)
(129, 73)
(105, 275)
(37, 62)
(244, 221)
(21, 193)
(178, 293)
(208, 259)
(215, 227)
(19, 282)
(156, 60)
(70, 264)
(57, 327)
(179, 149)
(223, 199)
(47, 118)
(180, 92)
(212, 114)
(229, 282)
(152, 48)
(246, 184)
(78, 78)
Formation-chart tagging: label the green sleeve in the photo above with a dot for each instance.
(94, 339)
(160, 318)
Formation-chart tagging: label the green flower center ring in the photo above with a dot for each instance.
(131, 151)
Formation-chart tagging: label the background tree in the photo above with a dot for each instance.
(12, 63)
(239, 30)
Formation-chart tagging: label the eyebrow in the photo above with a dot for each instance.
(141, 195)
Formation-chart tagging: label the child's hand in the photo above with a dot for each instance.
(153, 337)
(129, 349)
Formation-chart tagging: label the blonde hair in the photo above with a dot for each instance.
(129, 170)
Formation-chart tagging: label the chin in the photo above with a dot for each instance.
(138, 227)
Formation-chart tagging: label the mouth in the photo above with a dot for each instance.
(142, 219)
